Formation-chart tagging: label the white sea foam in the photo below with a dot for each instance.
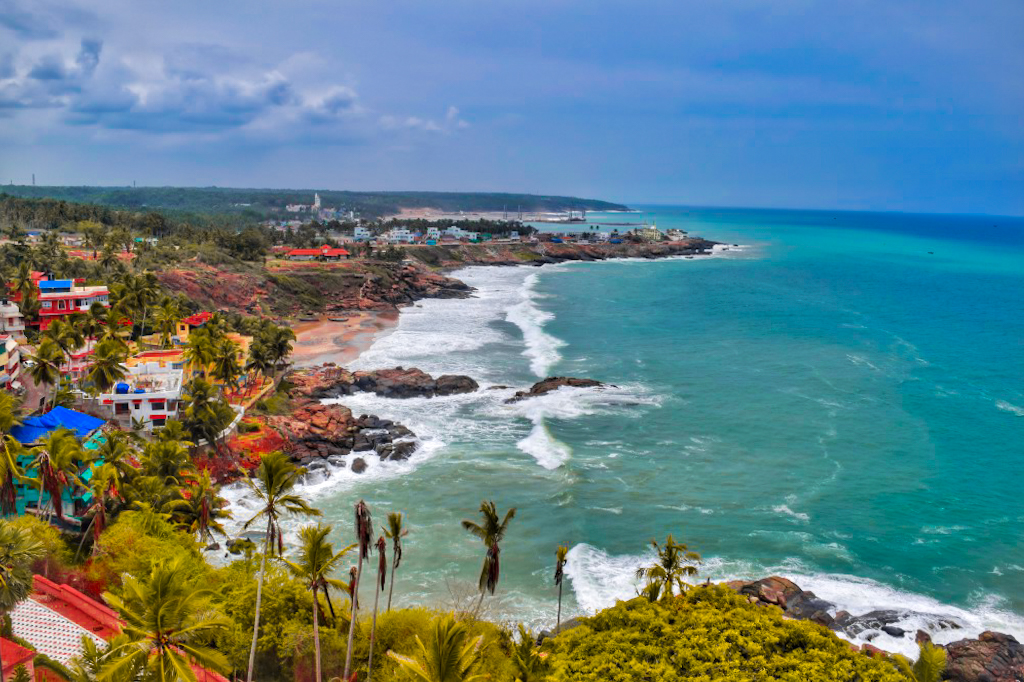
(1010, 407)
(786, 511)
(549, 452)
(599, 579)
(541, 347)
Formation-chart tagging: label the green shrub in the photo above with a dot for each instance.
(140, 538)
(710, 633)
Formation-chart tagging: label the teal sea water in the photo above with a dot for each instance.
(840, 400)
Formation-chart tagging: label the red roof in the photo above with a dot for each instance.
(197, 320)
(304, 252)
(14, 655)
(322, 251)
(334, 252)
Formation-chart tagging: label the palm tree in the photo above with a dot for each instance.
(166, 460)
(526, 659)
(57, 462)
(317, 561)
(115, 453)
(107, 366)
(10, 416)
(452, 656)
(203, 414)
(103, 491)
(23, 282)
(382, 574)
(201, 510)
(259, 362)
(395, 532)
(164, 617)
(18, 549)
(48, 359)
(199, 350)
(560, 555)
(66, 335)
(275, 482)
(166, 318)
(225, 364)
(491, 532)
(279, 344)
(675, 561)
(364, 538)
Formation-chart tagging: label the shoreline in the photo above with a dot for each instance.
(327, 341)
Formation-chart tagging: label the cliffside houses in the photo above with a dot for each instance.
(10, 362)
(62, 297)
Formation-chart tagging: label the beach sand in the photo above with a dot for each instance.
(339, 342)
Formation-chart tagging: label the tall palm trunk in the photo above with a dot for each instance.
(373, 627)
(391, 588)
(558, 619)
(352, 621)
(316, 633)
(259, 601)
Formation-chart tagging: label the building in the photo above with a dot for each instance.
(78, 362)
(10, 362)
(14, 655)
(647, 233)
(33, 431)
(433, 233)
(399, 235)
(55, 618)
(11, 319)
(60, 297)
(360, 233)
(458, 233)
(186, 325)
(149, 395)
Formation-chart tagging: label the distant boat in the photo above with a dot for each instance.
(309, 319)
(338, 319)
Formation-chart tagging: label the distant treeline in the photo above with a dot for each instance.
(262, 203)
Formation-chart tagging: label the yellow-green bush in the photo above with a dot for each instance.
(711, 633)
(139, 539)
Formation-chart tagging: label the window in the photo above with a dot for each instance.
(157, 405)
(121, 408)
(78, 303)
(61, 304)
(159, 421)
(136, 406)
(46, 304)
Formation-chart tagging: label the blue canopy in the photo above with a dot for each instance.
(52, 284)
(34, 429)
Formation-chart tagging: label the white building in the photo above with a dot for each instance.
(149, 394)
(459, 233)
(11, 319)
(433, 233)
(399, 235)
(10, 361)
(360, 233)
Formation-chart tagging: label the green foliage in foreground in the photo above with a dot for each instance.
(709, 633)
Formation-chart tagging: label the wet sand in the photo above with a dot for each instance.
(339, 342)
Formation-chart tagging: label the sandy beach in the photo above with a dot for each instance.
(339, 342)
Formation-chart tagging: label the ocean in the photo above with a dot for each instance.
(839, 400)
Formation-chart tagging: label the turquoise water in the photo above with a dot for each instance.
(840, 401)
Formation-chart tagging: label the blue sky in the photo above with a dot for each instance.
(915, 106)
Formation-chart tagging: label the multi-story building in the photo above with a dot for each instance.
(11, 319)
(78, 362)
(60, 297)
(149, 395)
(360, 233)
(10, 362)
(400, 235)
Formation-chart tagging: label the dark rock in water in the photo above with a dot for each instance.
(553, 384)
(893, 631)
(922, 637)
(358, 465)
(496, 387)
(212, 547)
(398, 382)
(993, 657)
(403, 450)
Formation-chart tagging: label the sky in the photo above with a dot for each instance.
(876, 105)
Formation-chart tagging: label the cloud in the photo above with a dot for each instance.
(23, 23)
(451, 122)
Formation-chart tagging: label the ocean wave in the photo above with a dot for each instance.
(786, 511)
(1010, 407)
(541, 347)
(599, 579)
(549, 452)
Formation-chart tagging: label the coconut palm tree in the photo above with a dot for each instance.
(258, 363)
(395, 532)
(930, 664)
(57, 462)
(225, 367)
(491, 532)
(164, 617)
(560, 555)
(202, 509)
(452, 656)
(116, 454)
(10, 416)
(66, 335)
(675, 562)
(278, 341)
(317, 561)
(166, 318)
(18, 549)
(48, 359)
(23, 282)
(166, 460)
(107, 367)
(199, 350)
(274, 487)
(104, 493)
(382, 574)
(364, 538)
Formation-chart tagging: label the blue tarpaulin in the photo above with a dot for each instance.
(54, 284)
(34, 429)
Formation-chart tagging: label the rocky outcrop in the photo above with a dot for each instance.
(787, 595)
(553, 384)
(992, 657)
(334, 382)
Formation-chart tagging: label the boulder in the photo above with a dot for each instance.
(358, 465)
(992, 657)
(553, 384)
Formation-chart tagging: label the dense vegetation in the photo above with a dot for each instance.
(264, 202)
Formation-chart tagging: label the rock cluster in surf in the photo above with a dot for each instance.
(553, 384)
(335, 382)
